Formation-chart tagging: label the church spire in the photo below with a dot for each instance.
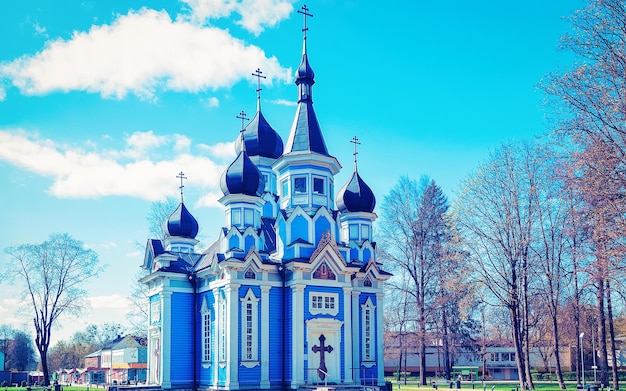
(305, 134)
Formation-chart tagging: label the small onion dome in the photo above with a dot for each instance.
(181, 223)
(242, 177)
(304, 70)
(356, 196)
(261, 139)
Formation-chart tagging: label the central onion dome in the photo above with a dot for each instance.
(260, 139)
(356, 196)
(181, 223)
(242, 177)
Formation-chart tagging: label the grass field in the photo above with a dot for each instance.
(410, 386)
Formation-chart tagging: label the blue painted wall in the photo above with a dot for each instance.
(181, 360)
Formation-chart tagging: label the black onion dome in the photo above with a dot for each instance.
(356, 196)
(261, 139)
(181, 223)
(242, 177)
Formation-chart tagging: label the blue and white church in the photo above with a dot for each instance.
(290, 294)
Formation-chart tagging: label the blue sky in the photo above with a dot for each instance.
(102, 103)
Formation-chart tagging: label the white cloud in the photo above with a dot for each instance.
(140, 53)
(211, 102)
(284, 102)
(3, 94)
(109, 302)
(224, 151)
(255, 14)
(79, 174)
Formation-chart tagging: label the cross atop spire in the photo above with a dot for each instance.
(356, 142)
(181, 176)
(242, 117)
(257, 74)
(305, 12)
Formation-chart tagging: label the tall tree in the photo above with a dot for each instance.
(413, 231)
(53, 274)
(495, 212)
(590, 97)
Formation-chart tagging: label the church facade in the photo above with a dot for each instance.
(290, 294)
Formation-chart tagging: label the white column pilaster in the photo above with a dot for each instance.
(232, 336)
(297, 338)
(356, 337)
(380, 359)
(166, 340)
(347, 334)
(265, 336)
(215, 336)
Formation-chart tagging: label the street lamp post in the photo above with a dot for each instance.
(582, 360)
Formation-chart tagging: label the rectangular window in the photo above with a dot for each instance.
(367, 333)
(206, 340)
(235, 217)
(248, 217)
(299, 185)
(266, 179)
(318, 185)
(353, 231)
(323, 303)
(250, 337)
(365, 232)
(285, 186)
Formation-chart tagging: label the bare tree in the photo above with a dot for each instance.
(53, 274)
(413, 230)
(495, 212)
(590, 97)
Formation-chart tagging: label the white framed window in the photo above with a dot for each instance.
(266, 179)
(222, 329)
(285, 187)
(367, 331)
(299, 185)
(318, 186)
(250, 334)
(353, 230)
(323, 303)
(155, 312)
(235, 217)
(365, 232)
(206, 332)
(248, 216)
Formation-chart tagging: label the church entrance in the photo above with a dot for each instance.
(324, 351)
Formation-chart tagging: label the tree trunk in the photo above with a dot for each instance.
(609, 309)
(517, 339)
(446, 342)
(526, 323)
(559, 374)
(604, 362)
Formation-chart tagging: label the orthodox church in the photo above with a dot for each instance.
(290, 294)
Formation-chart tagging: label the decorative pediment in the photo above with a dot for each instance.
(326, 240)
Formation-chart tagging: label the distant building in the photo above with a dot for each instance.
(121, 361)
(499, 360)
(290, 294)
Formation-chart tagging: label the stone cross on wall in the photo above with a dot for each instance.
(322, 349)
